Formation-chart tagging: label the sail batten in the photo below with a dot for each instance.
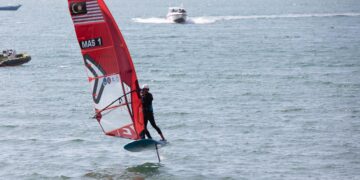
(110, 69)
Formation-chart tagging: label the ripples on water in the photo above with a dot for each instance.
(245, 91)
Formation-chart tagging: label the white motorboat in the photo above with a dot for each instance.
(176, 14)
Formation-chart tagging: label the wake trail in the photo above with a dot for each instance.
(213, 19)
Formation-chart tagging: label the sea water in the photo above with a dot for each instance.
(243, 90)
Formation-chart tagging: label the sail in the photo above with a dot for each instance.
(110, 70)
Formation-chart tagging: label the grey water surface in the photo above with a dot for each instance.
(244, 90)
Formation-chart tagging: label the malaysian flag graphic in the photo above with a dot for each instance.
(86, 12)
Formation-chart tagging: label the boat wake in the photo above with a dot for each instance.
(152, 20)
(213, 19)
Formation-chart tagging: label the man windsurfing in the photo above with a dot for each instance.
(147, 98)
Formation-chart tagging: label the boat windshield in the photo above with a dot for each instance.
(177, 10)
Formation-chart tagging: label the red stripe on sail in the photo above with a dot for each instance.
(125, 132)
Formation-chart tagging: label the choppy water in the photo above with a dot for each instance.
(244, 90)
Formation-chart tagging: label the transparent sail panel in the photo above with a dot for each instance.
(117, 114)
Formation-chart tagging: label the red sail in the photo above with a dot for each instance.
(110, 70)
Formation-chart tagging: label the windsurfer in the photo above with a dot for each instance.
(147, 98)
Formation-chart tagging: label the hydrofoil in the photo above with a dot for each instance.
(145, 144)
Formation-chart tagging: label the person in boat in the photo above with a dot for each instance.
(147, 98)
(13, 53)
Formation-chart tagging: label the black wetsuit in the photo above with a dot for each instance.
(148, 115)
